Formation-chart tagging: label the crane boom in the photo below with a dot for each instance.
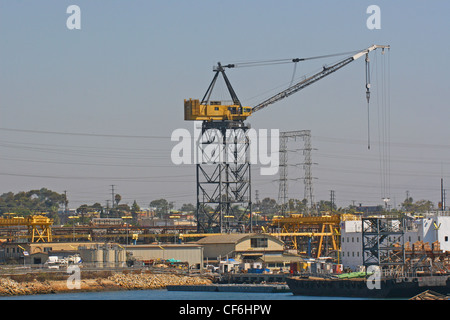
(207, 110)
(314, 78)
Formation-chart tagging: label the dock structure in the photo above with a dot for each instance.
(253, 288)
(255, 278)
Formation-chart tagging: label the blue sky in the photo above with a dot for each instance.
(128, 69)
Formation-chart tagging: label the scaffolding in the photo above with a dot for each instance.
(383, 242)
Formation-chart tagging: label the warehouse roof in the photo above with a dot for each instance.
(232, 238)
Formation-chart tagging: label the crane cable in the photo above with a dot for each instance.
(283, 61)
(293, 75)
(368, 98)
(383, 103)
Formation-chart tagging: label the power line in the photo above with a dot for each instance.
(97, 178)
(84, 134)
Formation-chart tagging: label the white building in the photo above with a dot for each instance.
(435, 226)
(351, 244)
(429, 228)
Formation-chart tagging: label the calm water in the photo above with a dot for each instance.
(169, 295)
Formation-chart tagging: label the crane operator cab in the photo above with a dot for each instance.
(210, 110)
(214, 110)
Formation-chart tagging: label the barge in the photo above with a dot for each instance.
(358, 287)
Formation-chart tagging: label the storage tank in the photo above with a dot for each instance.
(98, 257)
(87, 255)
(121, 257)
(109, 258)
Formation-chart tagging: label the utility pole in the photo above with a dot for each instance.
(66, 212)
(332, 199)
(107, 207)
(112, 195)
(443, 204)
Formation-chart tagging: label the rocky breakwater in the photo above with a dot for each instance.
(116, 281)
(10, 287)
(155, 281)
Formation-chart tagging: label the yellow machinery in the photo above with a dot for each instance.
(326, 228)
(39, 227)
(208, 110)
(193, 110)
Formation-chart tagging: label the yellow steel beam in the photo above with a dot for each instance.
(335, 219)
(39, 227)
(319, 249)
(42, 235)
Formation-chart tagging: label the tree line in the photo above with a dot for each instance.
(48, 201)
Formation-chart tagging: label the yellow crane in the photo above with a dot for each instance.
(39, 227)
(214, 185)
(297, 225)
(209, 110)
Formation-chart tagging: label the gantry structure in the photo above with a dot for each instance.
(39, 227)
(310, 234)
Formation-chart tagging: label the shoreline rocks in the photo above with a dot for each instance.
(117, 281)
(155, 281)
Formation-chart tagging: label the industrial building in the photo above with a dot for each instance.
(242, 246)
(190, 253)
(103, 256)
(38, 252)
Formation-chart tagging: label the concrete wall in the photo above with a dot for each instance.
(192, 254)
(213, 250)
(273, 244)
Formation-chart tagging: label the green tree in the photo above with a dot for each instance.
(408, 204)
(117, 198)
(188, 207)
(33, 202)
(162, 207)
(326, 206)
(269, 207)
(297, 206)
(135, 211)
(82, 211)
(420, 206)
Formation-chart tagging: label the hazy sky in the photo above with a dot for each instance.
(81, 110)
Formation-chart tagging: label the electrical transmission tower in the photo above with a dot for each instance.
(307, 164)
